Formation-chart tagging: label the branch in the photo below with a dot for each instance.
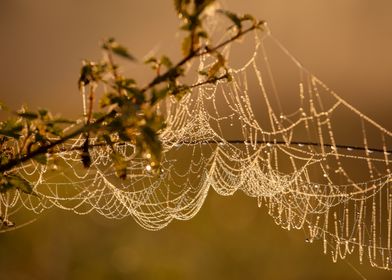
(44, 149)
(197, 53)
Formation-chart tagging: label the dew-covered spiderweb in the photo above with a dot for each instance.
(276, 133)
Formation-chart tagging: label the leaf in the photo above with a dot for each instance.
(3, 107)
(43, 112)
(203, 73)
(62, 121)
(11, 129)
(216, 66)
(233, 17)
(186, 46)
(5, 185)
(202, 34)
(136, 94)
(158, 95)
(248, 17)
(85, 156)
(86, 74)
(119, 164)
(41, 159)
(117, 49)
(98, 115)
(178, 6)
(201, 5)
(123, 52)
(5, 222)
(21, 184)
(28, 115)
(151, 60)
(180, 91)
(151, 139)
(166, 62)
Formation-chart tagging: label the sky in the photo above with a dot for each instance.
(347, 44)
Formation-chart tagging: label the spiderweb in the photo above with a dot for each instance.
(313, 160)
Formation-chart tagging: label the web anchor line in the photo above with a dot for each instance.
(239, 142)
(298, 143)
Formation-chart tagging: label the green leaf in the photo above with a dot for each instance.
(123, 52)
(98, 115)
(4, 222)
(178, 6)
(62, 121)
(3, 107)
(202, 34)
(151, 139)
(247, 17)
(151, 60)
(86, 74)
(20, 183)
(125, 82)
(28, 115)
(41, 159)
(180, 91)
(11, 129)
(166, 62)
(43, 112)
(214, 69)
(119, 164)
(201, 5)
(233, 17)
(158, 95)
(5, 185)
(203, 73)
(85, 155)
(117, 49)
(186, 46)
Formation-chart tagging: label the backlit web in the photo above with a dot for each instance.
(307, 156)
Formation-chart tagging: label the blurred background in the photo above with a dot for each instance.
(347, 44)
